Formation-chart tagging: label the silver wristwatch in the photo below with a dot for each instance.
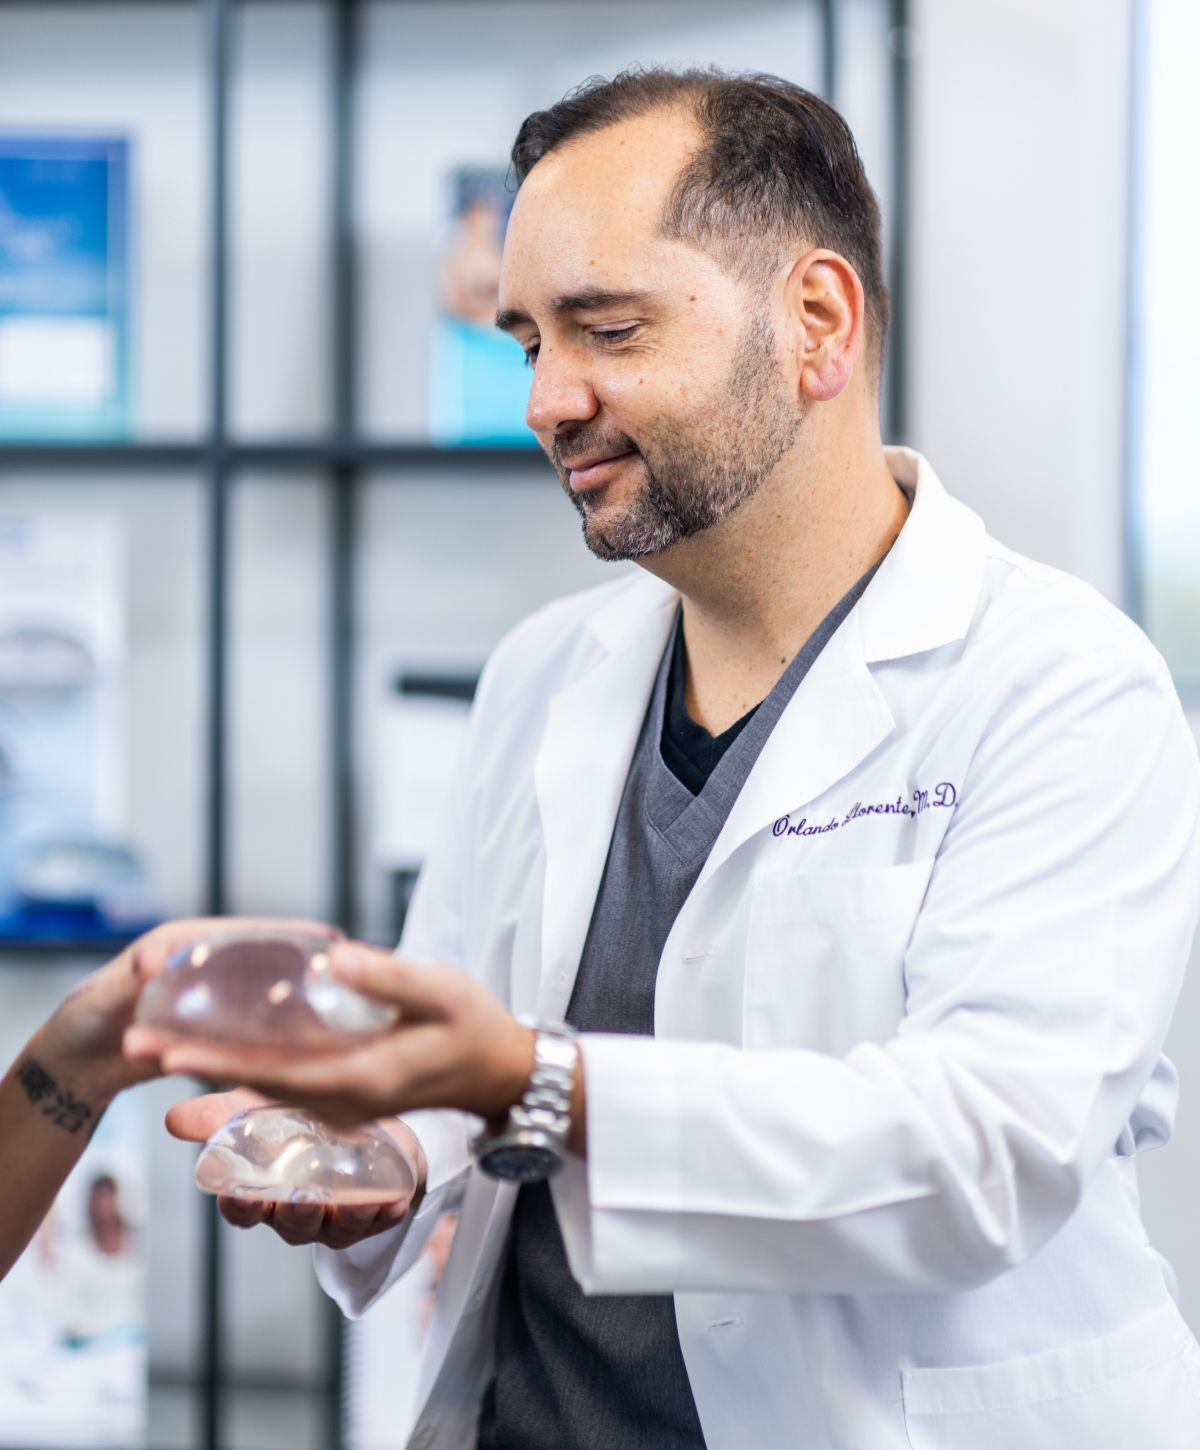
(532, 1144)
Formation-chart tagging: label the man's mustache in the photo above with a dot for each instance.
(586, 443)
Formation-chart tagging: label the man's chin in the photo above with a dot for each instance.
(619, 524)
(619, 546)
(600, 546)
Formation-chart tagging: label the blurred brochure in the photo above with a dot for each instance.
(74, 1364)
(479, 382)
(64, 287)
(420, 735)
(64, 873)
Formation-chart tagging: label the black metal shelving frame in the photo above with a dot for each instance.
(344, 457)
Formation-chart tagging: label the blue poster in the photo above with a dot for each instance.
(478, 380)
(64, 288)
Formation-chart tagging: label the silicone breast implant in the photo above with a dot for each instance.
(274, 990)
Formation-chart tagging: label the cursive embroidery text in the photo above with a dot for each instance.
(943, 796)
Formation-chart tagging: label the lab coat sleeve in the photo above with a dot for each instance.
(355, 1278)
(1041, 977)
(434, 933)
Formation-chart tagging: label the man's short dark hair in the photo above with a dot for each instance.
(777, 165)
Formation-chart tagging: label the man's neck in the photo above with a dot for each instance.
(757, 585)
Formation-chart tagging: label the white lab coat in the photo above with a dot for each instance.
(908, 1024)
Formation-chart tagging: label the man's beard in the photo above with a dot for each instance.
(694, 479)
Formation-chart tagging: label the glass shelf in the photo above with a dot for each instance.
(281, 453)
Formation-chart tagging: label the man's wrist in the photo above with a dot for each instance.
(577, 1139)
(531, 1142)
(515, 1077)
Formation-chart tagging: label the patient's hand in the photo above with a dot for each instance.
(197, 1119)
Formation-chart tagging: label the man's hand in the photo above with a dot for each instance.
(197, 1119)
(454, 1046)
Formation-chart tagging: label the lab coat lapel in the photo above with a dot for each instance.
(580, 774)
(836, 718)
(923, 596)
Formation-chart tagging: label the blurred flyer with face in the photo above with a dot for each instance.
(74, 1361)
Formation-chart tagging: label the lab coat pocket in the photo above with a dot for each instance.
(825, 955)
(1137, 1386)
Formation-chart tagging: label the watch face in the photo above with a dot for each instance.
(520, 1162)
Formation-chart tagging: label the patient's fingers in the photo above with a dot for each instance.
(244, 1212)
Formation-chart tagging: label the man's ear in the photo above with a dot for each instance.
(827, 309)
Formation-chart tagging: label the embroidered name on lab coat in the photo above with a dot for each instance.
(944, 796)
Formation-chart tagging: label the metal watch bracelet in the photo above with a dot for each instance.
(547, 1099)
(533, 1141)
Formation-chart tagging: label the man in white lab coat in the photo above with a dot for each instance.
(844, 862)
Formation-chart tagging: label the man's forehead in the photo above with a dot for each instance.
(635, 161)
(589, 213)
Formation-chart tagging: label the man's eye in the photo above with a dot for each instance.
(611, 335)
(530, 356)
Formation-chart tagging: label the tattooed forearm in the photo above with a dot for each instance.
(62, 1108)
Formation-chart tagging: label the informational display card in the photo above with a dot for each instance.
(479, 382)
(417, 746)
(64, 287)
(66, 871)
(74, 1365)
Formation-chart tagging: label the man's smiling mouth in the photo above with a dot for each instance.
(595, 468)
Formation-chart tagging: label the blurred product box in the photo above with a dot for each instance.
(65, 873)
(64, 287)
(478, 378)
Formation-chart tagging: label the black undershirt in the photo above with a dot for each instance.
(688, 750)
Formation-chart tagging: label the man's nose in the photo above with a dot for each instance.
(561, 395)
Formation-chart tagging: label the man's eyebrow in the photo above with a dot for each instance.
(587, 300)
(511, 317)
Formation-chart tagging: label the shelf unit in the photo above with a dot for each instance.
(344, 457)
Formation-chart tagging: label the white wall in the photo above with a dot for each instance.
(1018, 252)
(1016, 360)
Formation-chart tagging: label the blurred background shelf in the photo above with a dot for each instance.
(21, 951)
(285, 454)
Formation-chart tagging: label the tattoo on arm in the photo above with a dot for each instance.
(62, 1108)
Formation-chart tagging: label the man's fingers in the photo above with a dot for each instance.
(244, 1212)
(347, 1226)
(299, 1223)
(197, 1119)
(343, 1084)
(305, 1080)
(421, 993)
(221, 1064)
